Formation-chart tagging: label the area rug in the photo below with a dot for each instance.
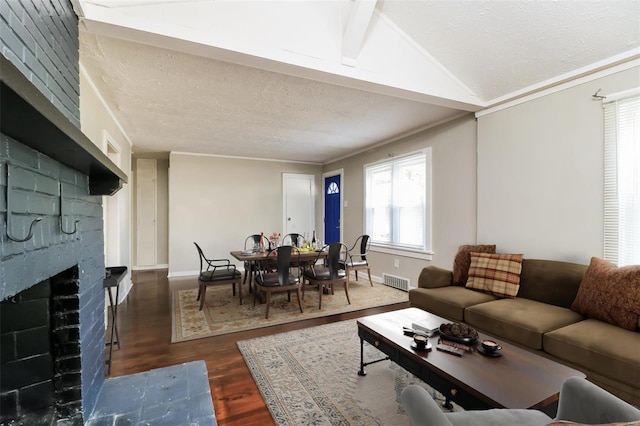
(223, 314)
(309, 377)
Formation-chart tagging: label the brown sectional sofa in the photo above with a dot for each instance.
(539, 319)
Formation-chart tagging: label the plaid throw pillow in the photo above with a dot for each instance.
(497, 274)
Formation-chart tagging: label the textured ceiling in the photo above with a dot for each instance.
(499, 47)
(168, 100)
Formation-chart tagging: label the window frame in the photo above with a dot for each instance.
(613, 234)
(424, 252)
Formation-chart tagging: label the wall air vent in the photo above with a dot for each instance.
(395, 281)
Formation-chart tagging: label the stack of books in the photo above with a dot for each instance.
(429, 327)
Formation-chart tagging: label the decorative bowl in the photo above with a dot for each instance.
(460, 333)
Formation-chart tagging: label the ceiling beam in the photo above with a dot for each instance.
(359, 19)
(411, 75)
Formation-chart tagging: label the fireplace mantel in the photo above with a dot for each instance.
(27, 116)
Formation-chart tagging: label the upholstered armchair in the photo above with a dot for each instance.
(580, 401)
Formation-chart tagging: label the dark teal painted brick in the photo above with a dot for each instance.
(49, 167)
(42, 87)
(15, 269)
(46, 184)
(43, 204)
(69, 176)
(4, 13)
(72, 190)
(18, 7)
(40, 39)
(34, 65)
(21, 154)
(11, 41)
(23, 178)
(19, 203)
(22, 32)
(16, 60)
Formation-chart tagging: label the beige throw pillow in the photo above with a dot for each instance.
(497, 274)
(462, 260)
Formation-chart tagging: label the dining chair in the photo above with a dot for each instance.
(216, 272)
(282, 279)
(249, 243)
(293, 239)
(357, 260)
(328, 274)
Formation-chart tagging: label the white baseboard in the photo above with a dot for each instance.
(191, 273)
(149, 268)
(374, 278)
(183, 274)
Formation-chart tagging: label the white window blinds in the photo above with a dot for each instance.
(622, 181)
(398, 202)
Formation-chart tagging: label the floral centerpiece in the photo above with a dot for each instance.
(274, 239)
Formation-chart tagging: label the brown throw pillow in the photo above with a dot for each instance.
(497, 274)
(610, 294)
(462, 261)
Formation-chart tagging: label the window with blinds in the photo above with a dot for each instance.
(622, 179)
(398, 202)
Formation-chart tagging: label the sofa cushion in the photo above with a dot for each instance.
(550, 281)
(497, 274)
(598, 346)
(449, 302)
(432, 277)
(519, 320)
(610, 294)
(462, 260)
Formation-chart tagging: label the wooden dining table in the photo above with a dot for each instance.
(254, 258)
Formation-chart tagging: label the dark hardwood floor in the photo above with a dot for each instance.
(144, 325)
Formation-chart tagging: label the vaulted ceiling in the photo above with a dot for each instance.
(314, 81)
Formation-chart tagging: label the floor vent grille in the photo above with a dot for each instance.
(395, 281)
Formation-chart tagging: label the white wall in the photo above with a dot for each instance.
(540, 173)
(218, 202)
(95, 120)
(453, 194)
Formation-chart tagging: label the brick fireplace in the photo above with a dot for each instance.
(52, 271)
(35, 183)
(52, 179)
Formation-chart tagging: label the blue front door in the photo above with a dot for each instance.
(332, 209)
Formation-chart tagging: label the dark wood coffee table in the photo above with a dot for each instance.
(517, 379)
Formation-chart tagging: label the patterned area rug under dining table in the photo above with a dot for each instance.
(223, 313)
(310, 377)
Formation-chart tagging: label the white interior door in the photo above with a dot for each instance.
(146, 212)
(299, 203)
